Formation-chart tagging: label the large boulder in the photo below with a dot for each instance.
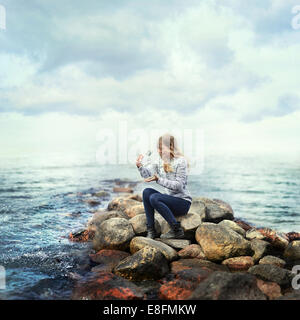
(106, 286)
(102, 215)
(239, 263)
(277, 239)
(234, 226)
(177, 244)
(219, 243)
(135, 210)
(269, 272)
(254, 234)
(146, 264)
(292, 251)
(115, 233)
(139, 225)
(122, 203)
(228, 286)
(138, 243)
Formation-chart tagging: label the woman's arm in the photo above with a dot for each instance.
(146, 172)
(180, 177)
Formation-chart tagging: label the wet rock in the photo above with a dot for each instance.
(115, 233)
(273, 260)
(269, 272)
(175, 243)
(101, 194)
(107, 259)
(277, 239)
(100, 216)
(92, 202)
(146, 264)
(192, 251)
(271, 289)
(234, 226)
(183, 285)
(82, 235)
(219, 243)
(292, 236)
(260, 247)
(228, 286)
(195, 264)
(139, 225)
(254, 234)
(292, 251)
(106, 286)
(138, 243)
(123, 189)
(239, 263)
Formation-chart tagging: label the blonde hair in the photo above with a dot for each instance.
(168, 141)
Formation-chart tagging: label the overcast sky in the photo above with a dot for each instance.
(230, 68)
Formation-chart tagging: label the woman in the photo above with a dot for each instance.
(171, 173)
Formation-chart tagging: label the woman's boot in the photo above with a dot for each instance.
(176, 232)
(151, 232)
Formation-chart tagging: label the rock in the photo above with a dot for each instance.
(293, 295)
(192, 251)
(106, 286)
(260, 248)
(82, 235)
(136, 197)
(92, 202)
(138, 243)
(115, 233)
(198, 207)
(101, 194)
(254, 234)
(269, 272)
(121, 204)
(135, 210)
(183, 285)
(146, 264)
(292, 236)
(271, 289)
(239, 263)
(139, 225)
(219, 243)
(189, 223)
(196, 264)
(234, 226)
(228, 286)
(278, 240)
(292, 251)
(175, 243)
(100, 216)
(216, 211)
(123, 189)
(273, 260)
(245, 225)
(107, 259)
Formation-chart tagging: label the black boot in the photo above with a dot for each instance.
(176, 232)
(151, 232)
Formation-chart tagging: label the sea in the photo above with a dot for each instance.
(42, 200)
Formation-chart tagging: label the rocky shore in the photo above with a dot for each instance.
(221, 257)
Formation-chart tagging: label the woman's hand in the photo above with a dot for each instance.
(153, 178)
(138, 160)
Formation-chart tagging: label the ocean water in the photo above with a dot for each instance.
(42, 201)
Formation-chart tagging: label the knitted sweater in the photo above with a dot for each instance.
(174, 182)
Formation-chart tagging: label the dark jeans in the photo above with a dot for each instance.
(168, 206)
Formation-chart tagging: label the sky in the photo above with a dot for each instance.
(230, 69)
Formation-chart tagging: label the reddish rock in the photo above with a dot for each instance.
(239, 263)
(82, 236)
(122, 189)
(277, 240)
(107, 259)
(271, 289)
(293, 236)
(106, 286)
(192, 251)
(246, 226)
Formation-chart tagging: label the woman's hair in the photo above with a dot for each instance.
(168, 142)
